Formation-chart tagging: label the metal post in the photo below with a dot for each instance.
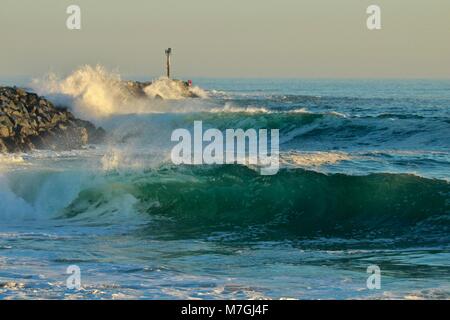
(168, 53)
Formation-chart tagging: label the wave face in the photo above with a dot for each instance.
(294, 203)
(179, 201)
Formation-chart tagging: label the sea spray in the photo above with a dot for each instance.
(95, 92)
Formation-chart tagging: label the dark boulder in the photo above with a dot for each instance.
(28, 122)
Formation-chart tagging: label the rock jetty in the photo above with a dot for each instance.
(28, 121)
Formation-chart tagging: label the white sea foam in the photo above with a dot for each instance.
(314, 159)
(11, 161)
(170, 90)
(39, 195)
(94, 92)
(229, 107)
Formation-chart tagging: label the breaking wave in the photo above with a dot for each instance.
(94, 92)
(206, 199)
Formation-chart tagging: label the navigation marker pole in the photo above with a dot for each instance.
(168, 53)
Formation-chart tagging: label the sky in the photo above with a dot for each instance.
(229, 38)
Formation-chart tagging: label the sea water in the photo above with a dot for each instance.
(364, 181)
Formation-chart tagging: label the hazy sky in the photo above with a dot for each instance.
(229, 38)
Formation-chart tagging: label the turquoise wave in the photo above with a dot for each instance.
(293, 203)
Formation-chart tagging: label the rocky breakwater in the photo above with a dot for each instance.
(163, 88)
(28, 121)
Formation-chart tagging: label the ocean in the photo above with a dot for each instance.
(364, 180)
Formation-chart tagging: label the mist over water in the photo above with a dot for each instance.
(364, 179)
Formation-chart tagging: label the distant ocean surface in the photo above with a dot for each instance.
(364, 180)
